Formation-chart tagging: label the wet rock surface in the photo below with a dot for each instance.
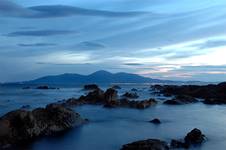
(212, 93)
(150, 144)
(20, 126)
(132, 95)
(181, 99)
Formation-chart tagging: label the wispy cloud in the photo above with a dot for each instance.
(40, 33)
(37, 45)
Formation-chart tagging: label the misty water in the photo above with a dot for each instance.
(109, 129)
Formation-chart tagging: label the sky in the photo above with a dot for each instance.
(165, 39)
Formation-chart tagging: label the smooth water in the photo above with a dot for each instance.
(109, 129)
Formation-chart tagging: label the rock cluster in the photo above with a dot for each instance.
(212, 94)
(181, 99)
(20, 126)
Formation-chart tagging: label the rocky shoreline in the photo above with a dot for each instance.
(24, 125)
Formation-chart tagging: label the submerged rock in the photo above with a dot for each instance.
(155, 121)
(150, 144)
(20, 126)
(45, 87)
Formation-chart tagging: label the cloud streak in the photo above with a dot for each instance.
(39, 33)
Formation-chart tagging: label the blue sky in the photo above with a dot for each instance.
(176, 39)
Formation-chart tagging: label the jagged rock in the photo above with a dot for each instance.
(91, 87)
(155, 121)
(26, 107)
(130, 95)
(116, 87)
(137, 104)
(194, 137)
(20, 126)
(111, 95)
(180, 100)
(134, 90)
(150, 144)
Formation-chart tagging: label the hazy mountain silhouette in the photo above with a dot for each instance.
(96, 77)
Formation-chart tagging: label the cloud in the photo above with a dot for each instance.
(10, 9)
(133, 64)
(40, 33)
(37, 45)
(210, 44)
(88, 45)
(47, 11)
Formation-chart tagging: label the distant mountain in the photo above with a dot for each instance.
(96, 77)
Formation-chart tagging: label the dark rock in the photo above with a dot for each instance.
(213, 94)
(194, 137)
(178, 144)
(116, 87)
(137, 104)
(21, 126)
(155, 121)
(180, 100)
(111, 95)
(134, 90)
(130, 95)
(91, 87)
(45, 87)
(26, 107)
(150, 144)
(93, 97)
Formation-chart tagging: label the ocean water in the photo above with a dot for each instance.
(109, 129)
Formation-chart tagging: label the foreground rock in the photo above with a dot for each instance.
(195, 137)
(212, 94)
(180, 100)
(150, 144)
(21, 126)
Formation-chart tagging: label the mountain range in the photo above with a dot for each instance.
(96, 77)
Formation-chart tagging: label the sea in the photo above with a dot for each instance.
(109, 129)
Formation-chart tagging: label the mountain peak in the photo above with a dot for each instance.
(101, 72)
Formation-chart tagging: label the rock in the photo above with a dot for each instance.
(116, 87)
(26, 107)
(180, 100)
(212, 93)
(178, 144)
(130, 95)
(94, 97)
(155, 121)
(134, 90)
(137, 104)
(91, 87)
(194, 137)
(21, 126)
(111, 95)
(45, 87)
(150, 144)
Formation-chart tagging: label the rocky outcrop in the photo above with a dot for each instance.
(212, 94)
(20, 126)
(155, 121)
(108, 99)
(150, 144)
(180, 100)
(133, 95)
(45, 87)
(91, 87)
(117, 87)
(195, 137)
